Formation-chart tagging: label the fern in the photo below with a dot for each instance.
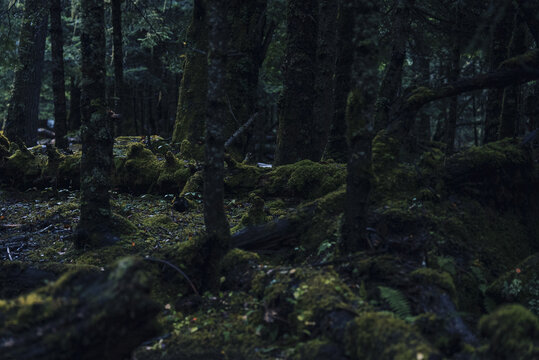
(397, 302)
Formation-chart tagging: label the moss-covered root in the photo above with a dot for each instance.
(381, 336)
(83, 315)
(512, 333)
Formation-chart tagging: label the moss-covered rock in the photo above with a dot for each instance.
(256, 214)
(23, 168)
(69, 170)
(381, 336)
(443, 280)
(237, 268)
(512, 333)
(195, 185)
(173, 176)
(140, 170)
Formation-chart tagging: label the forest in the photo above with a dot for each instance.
(269, 179)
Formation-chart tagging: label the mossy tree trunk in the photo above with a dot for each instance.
(452, 76)
(74, 103)
(324, 103)
(217, 228)
(294, 140)
(392, 81)
(58, 78)
(96, 131)
(249, 40)
(421, 69)
(125, 125)
(358, 180)
(336, 147)
(501, 37)
(512, 96)
(191, 111)
(23, 108)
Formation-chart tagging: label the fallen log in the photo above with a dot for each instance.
(83, 315)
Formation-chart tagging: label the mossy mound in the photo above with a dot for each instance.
(381, 336)
(173, 176)
(520, 285)
(161, 220)
(305, 179)
(512, 333)
(69, 170)
(23, 168)
(443, 280)
(139, 171)
(256, 214)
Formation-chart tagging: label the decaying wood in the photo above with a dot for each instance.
(83, 315)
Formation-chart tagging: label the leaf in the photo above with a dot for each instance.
(397, 301)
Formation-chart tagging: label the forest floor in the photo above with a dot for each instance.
(453, 271)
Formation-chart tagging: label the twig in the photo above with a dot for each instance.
(177, 269)
(240, 131)
(9, 254)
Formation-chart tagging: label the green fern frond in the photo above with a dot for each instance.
(397, 302)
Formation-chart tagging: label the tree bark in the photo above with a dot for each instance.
(392, 81)
(23, 108)
(512, 96)
(217, 228)
(336, 148)
(248, 44)
(294, 141)
(126, 127)
(498, 53)
(191, 112)
(529, 11)
(324, 103)
(58, 77)
(454, 71)
(74, 104)
(96, 131)
(358, 178)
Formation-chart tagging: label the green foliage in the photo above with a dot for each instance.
(398, 303)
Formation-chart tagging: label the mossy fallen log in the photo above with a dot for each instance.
(83, 315)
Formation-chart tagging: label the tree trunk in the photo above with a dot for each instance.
(336, 148)
(191, 112)
(217, 228)
(358, 178)
(512, 96)
(529, 10)
(248, 43)
(96, 131)
(23, 108)
(454, 71)
(74, 104)
(501, 38)
(125, 126)
(294, 141)
(324, 104)
(392, 81)
(58, 78)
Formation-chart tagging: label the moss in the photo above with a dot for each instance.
(122, 226)
(195, 184)
(161, 220)
(381, 336)
(69, 169)
(64, 210)
(4, 141)
(189, 151)
(140, 171)
(241, 178)
(318, 349)
(24, 167)
(305, 179)
(256, 214)
(437, 278)
(512, 333)
(174, 175)
(419, 95)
